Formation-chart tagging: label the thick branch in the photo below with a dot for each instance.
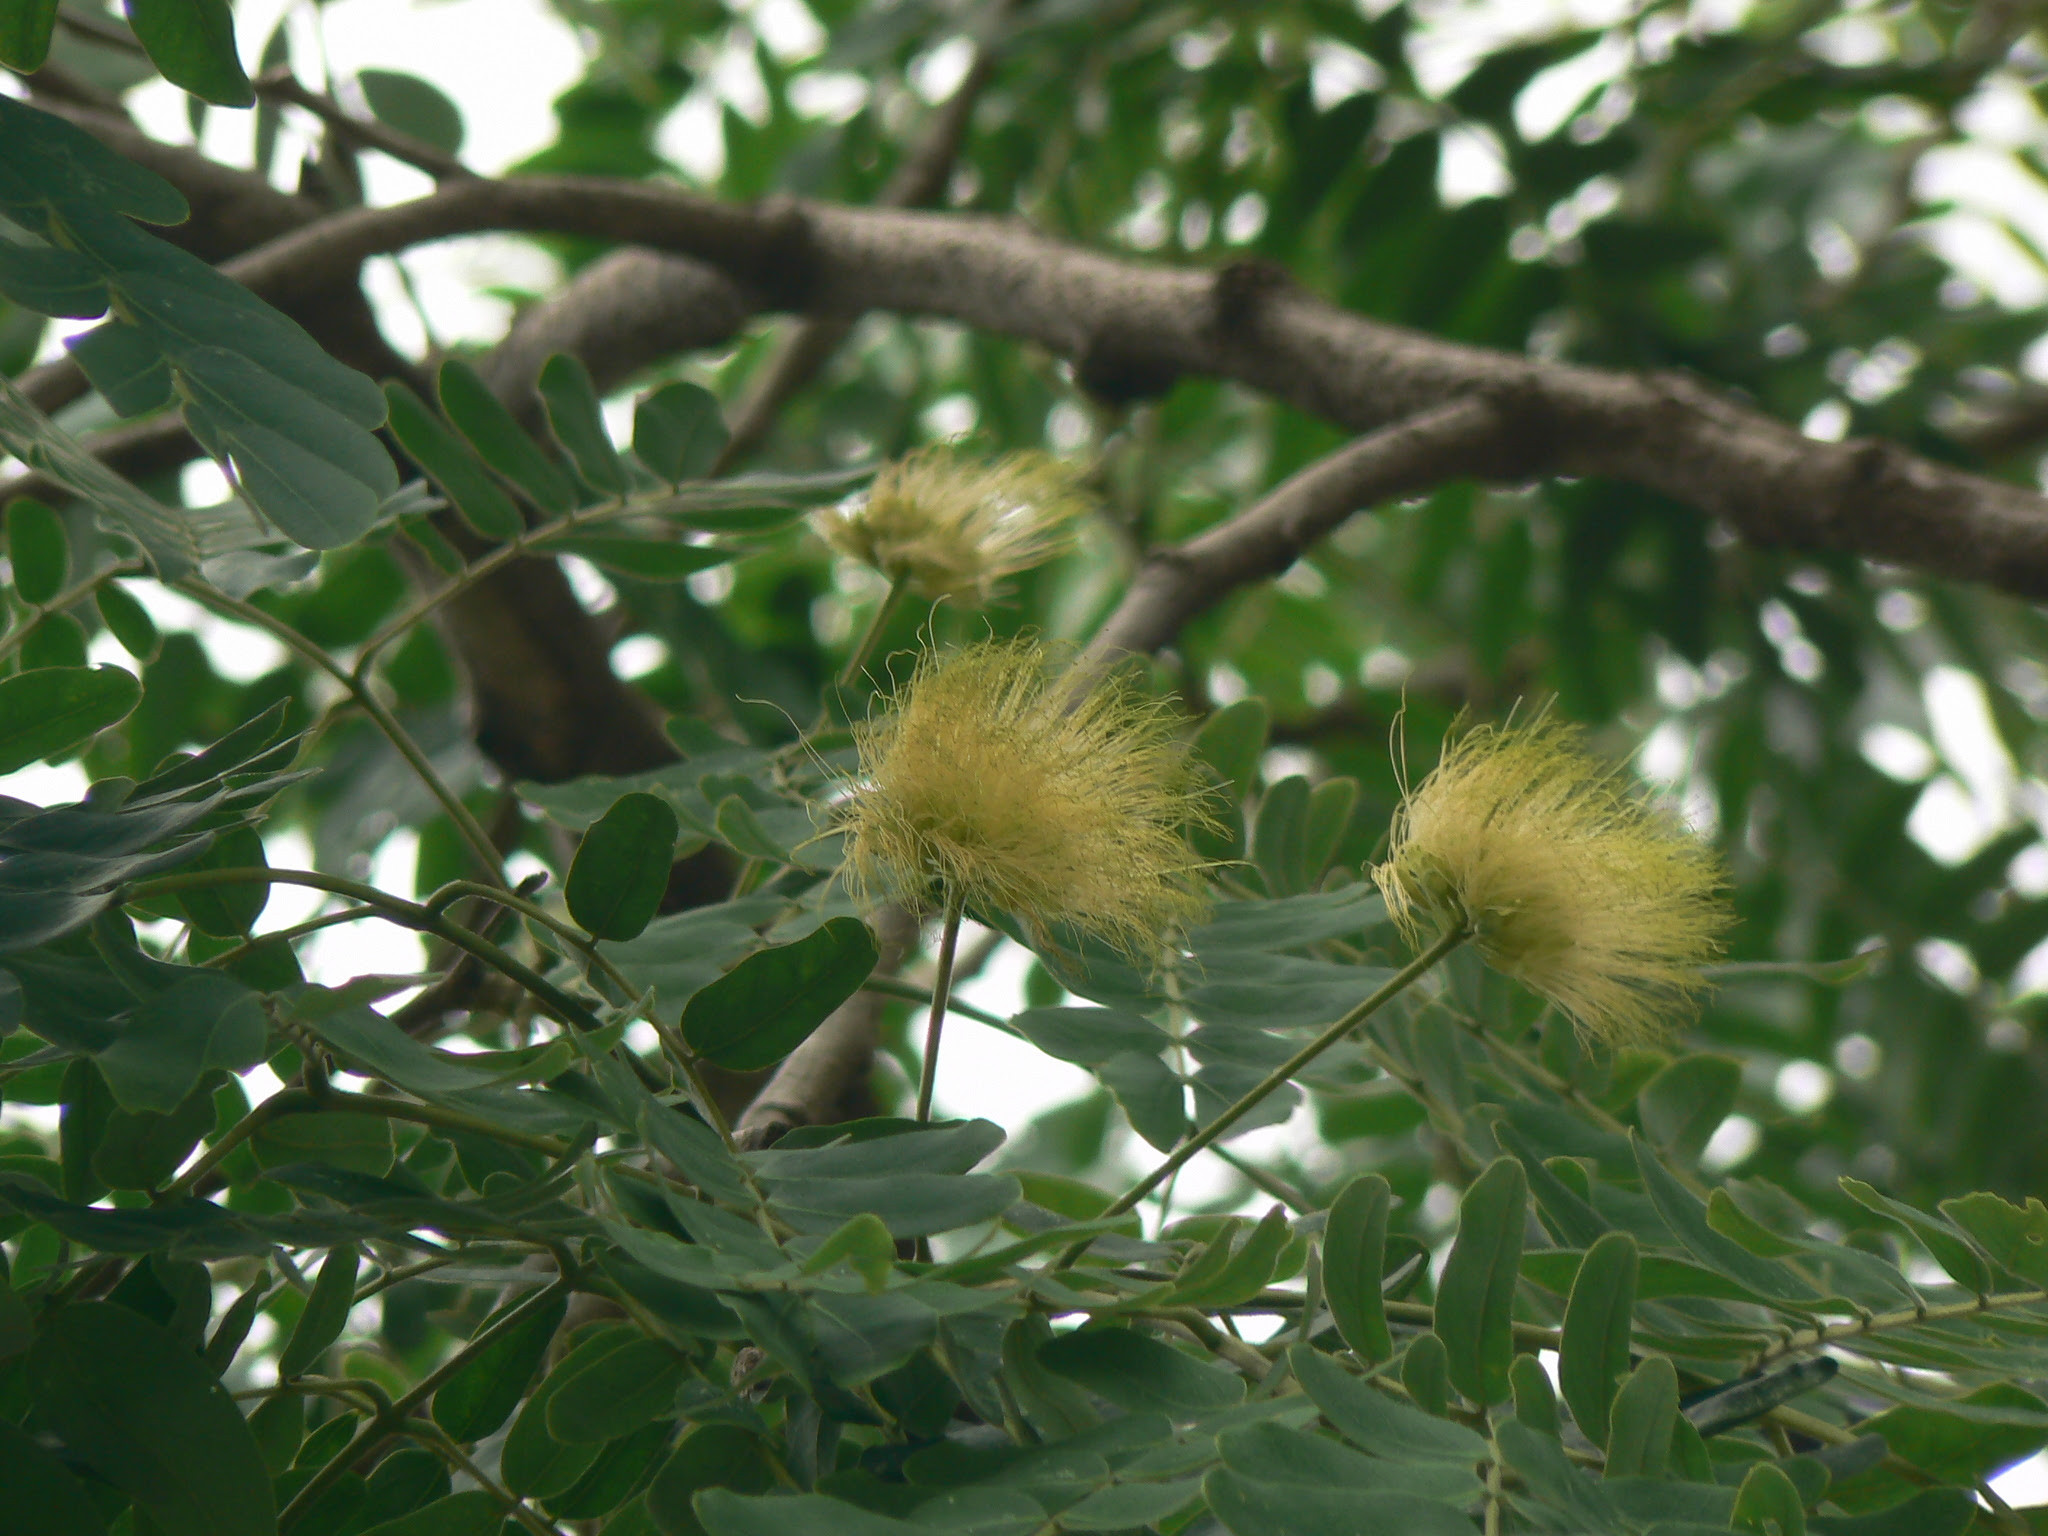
(1132, 327)
(1178, 582)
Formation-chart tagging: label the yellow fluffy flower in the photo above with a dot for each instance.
(955, 527)
(988, 781)
(1589, 896)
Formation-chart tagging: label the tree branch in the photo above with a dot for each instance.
(1133, 327)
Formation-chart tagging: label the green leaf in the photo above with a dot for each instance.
(724, 1513)
(49, 280)
(1140, 1374)
(413, 106)
(1768, 1504)
(1354, 1264)
(1535, 1398)
(1272, 1453)
(679, 432)
(482, 1393)
(1089, 1036)
(43, 1498)
(768, 1004)
(228, 911)
(1641, 1419)
(472, 1512)
(167, 1044)
(710, 1456)
(1684, 1104)
(1331, 805)
(128, 621)
(621, 868)
(142, 1148)
(642, 559)
(1951, 1249)
(1247, 1508)
(53, 710)
(1476, 1295)
(25, 34)
(1426, 1374)
(38, 550)
(361, 1143)
(1686, 1216)
(1376, 1422)
(2015, 1237)
(1277, 834)
(480, 499)
(1231, 741)
(126, 365)
(535, 1463)
(499, 439)
(1950, 1446)
(1593, 1354)
(326, 1311)
(1130, 1506)
(577, 417)
(193, 43)
(146, 1415)
(863, 1242)
(1153, 1097)
(1929, 1512)
(617, 1393)
(912, 1204)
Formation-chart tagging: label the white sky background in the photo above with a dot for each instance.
(503, 62)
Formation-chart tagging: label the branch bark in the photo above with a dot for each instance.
(1133, 327)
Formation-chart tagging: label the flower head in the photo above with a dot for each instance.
(988, 777)
(954, 527)
(1599, 902)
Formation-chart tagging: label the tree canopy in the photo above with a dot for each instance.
(1454, 588)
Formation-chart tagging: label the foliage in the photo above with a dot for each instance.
(521, 1273)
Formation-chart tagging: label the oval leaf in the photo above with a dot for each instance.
(678, 432)
(1476, 1297)
(768, 1004)
(1640, 1422)
(480, 1396)
(146, 1415)
(54, 709)
(621, 868)
(1593, 1355)
(1354, 1259)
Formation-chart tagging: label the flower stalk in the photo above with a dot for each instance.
(942, 987)
(899, 588)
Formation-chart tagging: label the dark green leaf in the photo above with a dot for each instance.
(147, 1416)
(358, 1142)
(1089, 1036)
(2015, 1237)
(1354, 1260)
(43, 1498)
(1140, 1374)
(481, 501)
(710, 1456)
(1476, 1294)
(1951, 1249)
(1686, 1216)
(679, 432)
(1535, 1398)
(1929, 1512)
(142, 1148)
(912, 1204)
(203, 1021)
(326, 1311)
(1684, 1104)
(1247, 1508)
(643, 559)
(621, 868)
(1270, 1453)
(535, 1462)
(768, 1004)
(128, 621)
(499, 439)
(1593, 1354)
(1768, 1504)
(38, 550)
(126, 365)
(52, 710)
(1277, 834)
(724, 1513)
(1640, 1421)
(414, 107)
(228, 911)
(482, 1393)
(1331, 805)
(25, 34)
(578, 421)
(1153, 1097)
(1426, 1374)
(617, 1393)
(473, 1512)
(193, 43)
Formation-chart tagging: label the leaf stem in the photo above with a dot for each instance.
(77, 592)
(942, 987)
(480, 844)
(856, 664)
(1396, 984)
